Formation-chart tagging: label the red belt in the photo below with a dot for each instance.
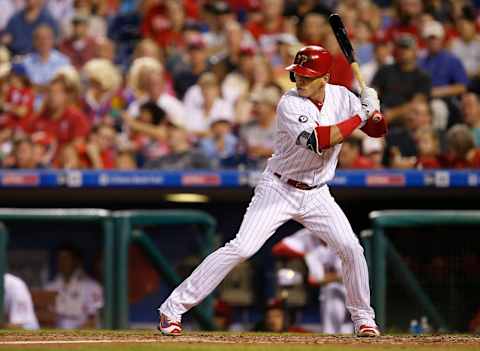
(297, 184)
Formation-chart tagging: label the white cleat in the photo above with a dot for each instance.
(169, 326)
(367, 331)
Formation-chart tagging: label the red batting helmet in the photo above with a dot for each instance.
(310, 61)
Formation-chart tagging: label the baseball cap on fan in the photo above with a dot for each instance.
(406, 41)
(196, 43)
(433, 29)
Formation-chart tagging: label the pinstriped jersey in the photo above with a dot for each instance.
(296, 118)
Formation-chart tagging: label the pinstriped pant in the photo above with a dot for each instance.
(274, 203)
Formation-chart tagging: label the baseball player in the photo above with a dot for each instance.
(18, 304)
(325, 268)
(313, 119)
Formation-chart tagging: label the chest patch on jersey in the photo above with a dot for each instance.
(302, 118)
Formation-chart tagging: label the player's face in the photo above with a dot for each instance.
(310, 87)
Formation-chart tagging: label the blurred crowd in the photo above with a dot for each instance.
(167, 84)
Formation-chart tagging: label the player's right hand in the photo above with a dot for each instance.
(370, 101)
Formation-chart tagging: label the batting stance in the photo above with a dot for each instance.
(312, 121)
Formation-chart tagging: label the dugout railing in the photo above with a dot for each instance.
(119, 228)
(379, 250)
(100, 216)
(130, 228)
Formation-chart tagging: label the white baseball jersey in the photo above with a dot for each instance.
(276, 201)
(18, 305)
(76, 300)
(296, 114)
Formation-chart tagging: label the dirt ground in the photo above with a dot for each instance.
(132, 336)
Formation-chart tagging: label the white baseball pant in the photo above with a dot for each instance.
(274, 203)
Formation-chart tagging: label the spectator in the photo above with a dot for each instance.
(9, 8)
(22, 155)
(79, 46)
(18, 35)
(59, 117)
(221, 144)
(101, 147)
(467, 46)
(197, 64)
(105, 49)
(126, 161)
(351, 155)
(18, 100)
(263, 76)
(461, 152)
(382, 56)
(18, 305)
(204, 104)
(44, 63)
(163, 23)
(362, 43)
(287, 45)
(218, 15)
(400, 83)
(62, 11)
(238, 83)
(470, 107)
(69, 158)
(408, 20)
(103, 84)
(182, 156)
(148, 48)
(228, 60)
(314, 29)
(146, 79)
(428, 146)
(258, 135)
(79, 297)
(269, 23)
(401, 148)
(44, 147)
(148, 131)
(96, 12)
(447, 73)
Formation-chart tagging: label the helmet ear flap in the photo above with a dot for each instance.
(292, 77)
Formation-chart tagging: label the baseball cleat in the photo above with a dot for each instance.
(169, 327)
(367, 331)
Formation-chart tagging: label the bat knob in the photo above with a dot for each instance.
(376, 116)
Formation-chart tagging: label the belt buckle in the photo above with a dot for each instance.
(301, 185)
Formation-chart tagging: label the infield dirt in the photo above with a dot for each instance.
(146, 340)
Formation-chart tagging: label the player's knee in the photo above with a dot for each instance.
(241, 252)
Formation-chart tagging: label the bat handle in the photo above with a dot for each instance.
(377, 116)
(358, 75)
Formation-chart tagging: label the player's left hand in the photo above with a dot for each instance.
(370, 101)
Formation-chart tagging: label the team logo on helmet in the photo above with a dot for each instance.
(301, 59)
(302, 119)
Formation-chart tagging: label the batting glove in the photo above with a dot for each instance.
(370, 101)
